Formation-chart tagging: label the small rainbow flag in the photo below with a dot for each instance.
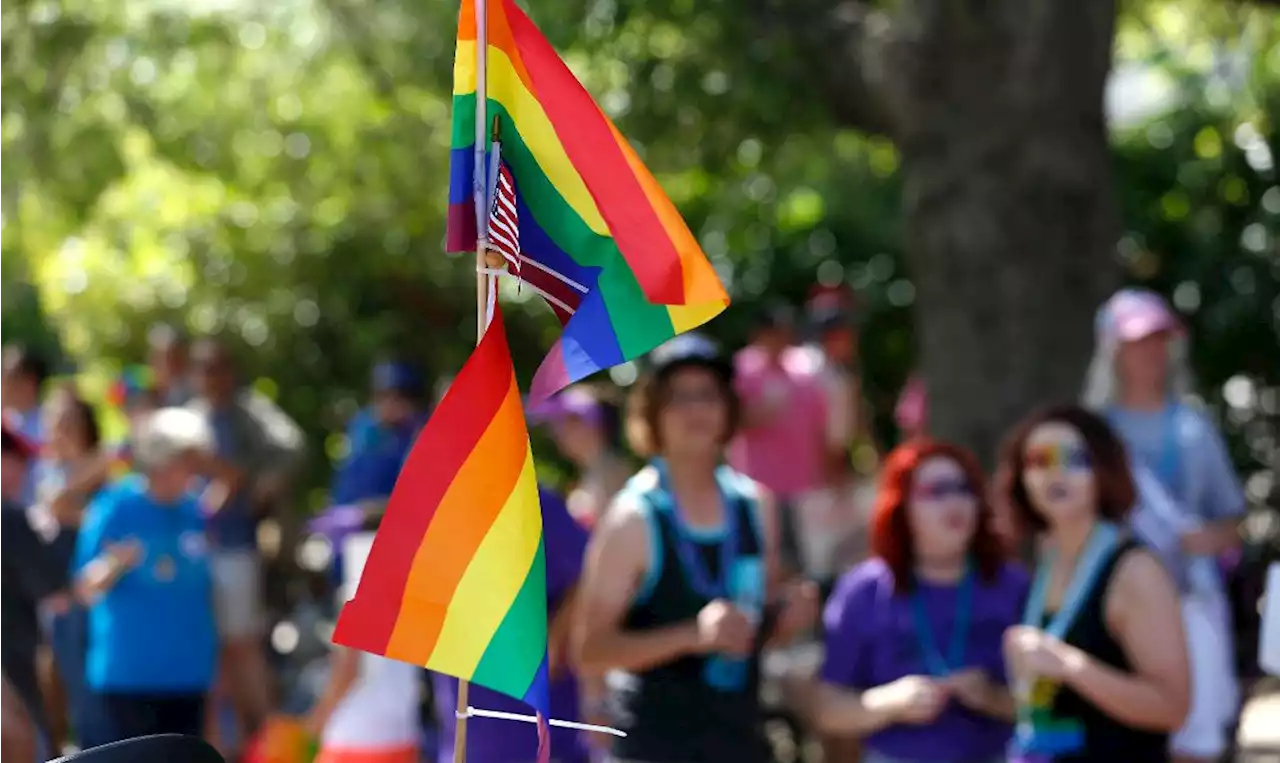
(597, 233)
(132, 381)
(456, 577)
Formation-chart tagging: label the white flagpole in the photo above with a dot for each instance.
(479, 190)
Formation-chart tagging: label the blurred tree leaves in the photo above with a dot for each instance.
(280, 172)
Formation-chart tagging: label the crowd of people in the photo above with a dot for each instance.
(1069, 608)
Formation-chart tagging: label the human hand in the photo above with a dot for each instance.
(910, 699)
(57, 604)
(972, 688)
(799, 609)
(315, 721)
(1205, 541)
(1035, 654)
(215, 497)
(126, 554)
(724, 628)
(596, 713)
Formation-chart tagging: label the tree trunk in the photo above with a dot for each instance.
(1010, 221)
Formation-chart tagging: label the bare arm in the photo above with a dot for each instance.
(1216, 537)
(559, 632)
(344, 669)
(771, 532)
(69, 502)
(843, 712)
(617, 559)
(102, 574)
(1144, 615)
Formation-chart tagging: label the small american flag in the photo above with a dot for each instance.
(504, 221)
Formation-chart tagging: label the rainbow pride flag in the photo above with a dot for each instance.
(597, 234)
(456, 577)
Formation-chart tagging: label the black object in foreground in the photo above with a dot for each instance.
(161, 748)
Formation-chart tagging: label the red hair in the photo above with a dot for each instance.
(890, 533)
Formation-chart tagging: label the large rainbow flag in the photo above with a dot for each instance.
(598, 234)
(456, 577)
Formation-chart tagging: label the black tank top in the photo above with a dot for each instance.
(672, 713)
(1104, 738)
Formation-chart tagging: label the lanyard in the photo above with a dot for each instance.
(1097, 551)
(1102, 541)
(934, 660)
(700, 579)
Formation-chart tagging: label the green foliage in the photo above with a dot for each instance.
(279, 172)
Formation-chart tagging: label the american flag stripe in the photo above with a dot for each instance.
(504, 221)
(561, 293)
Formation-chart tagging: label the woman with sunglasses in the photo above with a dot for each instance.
(679, 576)
(1100, 661)
(914, 634)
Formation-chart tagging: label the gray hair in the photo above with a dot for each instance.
(169, 434)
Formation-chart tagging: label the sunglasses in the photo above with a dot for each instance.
(1058, 456)
(938, 490)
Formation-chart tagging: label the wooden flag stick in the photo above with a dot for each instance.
(480, 194)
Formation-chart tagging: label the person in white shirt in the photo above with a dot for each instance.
(369, 709)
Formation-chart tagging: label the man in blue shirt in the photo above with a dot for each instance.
(378, 440)
(380, 436)
(142, 568)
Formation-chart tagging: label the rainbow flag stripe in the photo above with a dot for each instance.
(456, 577)
(594, 223)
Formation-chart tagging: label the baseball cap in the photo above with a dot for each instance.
(1133, 314)
(398, 377)
(690, 349)
(574, 402)
(160, 748)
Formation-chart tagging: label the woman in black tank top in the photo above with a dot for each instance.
(1100, 662)
(675, 598)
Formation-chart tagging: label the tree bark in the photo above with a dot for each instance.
(1009, 217)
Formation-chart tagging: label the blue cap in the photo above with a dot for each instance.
(397, 377)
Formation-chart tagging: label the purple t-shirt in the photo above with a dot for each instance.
(495, 741)
(872, 640)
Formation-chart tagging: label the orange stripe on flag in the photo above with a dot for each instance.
(469, 507)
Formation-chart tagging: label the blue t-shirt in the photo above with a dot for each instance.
(377, 452)
(153, 631)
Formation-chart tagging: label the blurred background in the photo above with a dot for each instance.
(278, 172)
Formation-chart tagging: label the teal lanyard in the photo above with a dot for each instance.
(935, 662)
(1097, 552)
(1102, 541)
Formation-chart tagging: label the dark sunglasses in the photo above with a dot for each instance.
(941, 489)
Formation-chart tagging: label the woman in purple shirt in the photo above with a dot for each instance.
(914, 634)
(495, 741)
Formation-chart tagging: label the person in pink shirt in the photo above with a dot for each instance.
(783, 441)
